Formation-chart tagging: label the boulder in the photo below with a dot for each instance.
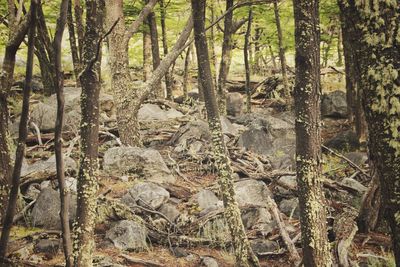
(270, 136)
(347, 141)
(334, 104)
(290, 207)
(206, 201)
(146, 194)
(359, 158)
(50, 246)
(47, 168)
(356, 185)
(128, 235)
(288, 180)
(261, 246)
(251, 192)
(209, 262)
(170, 211)
(149, 112)
(193, 137)
(46, 212)
(234, 104)
(228, 128)
(144, 163)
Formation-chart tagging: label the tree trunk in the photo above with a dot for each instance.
(243, 252)
(328, 47)
(168, 78)
(79, 25)
(88, 167)
(246, 60)
(212, 45)
(225, 58)
(17, 32)
(271, 52)
(186, 73)
(282, 56)
(379, 45)
(59, 77)
(308, 145)
(146, 52)
(23, 133)
(72, 40)
(339, 63)
(155, 52)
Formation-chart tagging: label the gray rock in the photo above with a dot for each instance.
(206, 199)
(270, 136)
(356, 185)
(145, 194)
(334, 104)
(44, 116)
(150, 112)
(209, 262)
(287, 180)
(347, 141)
(290, 207)
(170, 211)
(234, 104)
(258, 219)
(144, 163)
(47, 246)
(359, 158)
(46, 212)
(48, 167)
(261, 246)
(128, 235)
(194, 137)
(251, 192)
(33, 191)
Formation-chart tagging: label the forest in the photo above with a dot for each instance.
(200, 133)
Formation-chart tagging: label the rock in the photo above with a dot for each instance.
(144, 163)
(44, 116)
(149, 193)
(258, 219)
(270, 136)
(70, 182)
(228, 128)
(46, 212)
(170, 211)
(290, 207)
(105, 262)
(33, 191)
(209, 262)
(234, 104)
(193, 137)
(154, 112)
(128, 235)
(356, 185)
(206, 199)
(50, 246)
(334, 104)
(347, 140)
(359, 158)
(48, 167)
(251, 192)
(261, 246)
(289, 180)
(23, 253)
(179, 252)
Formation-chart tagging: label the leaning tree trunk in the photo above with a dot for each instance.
(379, 44)
(168, 78)
(308, 145)
(17, 32)
(282, 56)
(146, 52)
(243, 252)
(64, 194)
(186, 73)
(246, 60)
(155, 52)
(88, 167)
(23, 133)
(225, 58)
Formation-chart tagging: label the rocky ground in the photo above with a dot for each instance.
(159, 205)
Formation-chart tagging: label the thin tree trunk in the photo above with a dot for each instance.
(72, 40)
(155, 51)
(78, 11)
(308, 145)
(246, 60)
(17, 32)
(225, 58)
(146, 52)
(186, 73)
(327, 48)
(23, 133)
(339, 48)
(271, 52)
(282, 56)
(87, 176)
(212, 45)
(64, 194)
(243, 252)
(168, 78)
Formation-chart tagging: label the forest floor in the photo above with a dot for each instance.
(193, 173)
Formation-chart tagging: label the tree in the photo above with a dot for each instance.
(88, 161)
(23, 133)
(246, 60)
(18, 27)
(243, 252)
(379, 55)
(168, 78)
(308, 139)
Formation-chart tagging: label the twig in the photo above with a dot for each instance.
(351, 163)
(37, 130)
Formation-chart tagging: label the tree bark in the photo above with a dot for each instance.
(146, 52)
(155, 52)
(308, 145)
(78, 11)
(379, 57)
(186, 73)
(23, 133)
(246, 60)
(87, 176)
(72, 40)
(59, 77)
(243, 252)
(282, 56)
(168, 78)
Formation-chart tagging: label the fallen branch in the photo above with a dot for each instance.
(134, 260)
(21, 214)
